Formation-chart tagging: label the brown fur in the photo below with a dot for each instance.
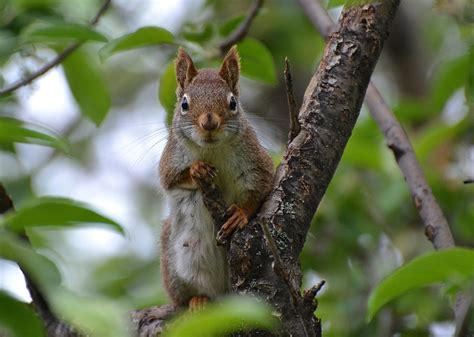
(210, 133)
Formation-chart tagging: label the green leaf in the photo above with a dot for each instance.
(87, 85)
(42, 32)
(18, 318)
(230, 25)
(33, 4)
(167, 91)
(144, 36)
(38, 267)
(257, 61)
(15, 131)
(97, 316)
(198, 34)
(221, 318)
(450, 76)
(60, 212)
(433, 136)
(440, 266)
(8, 44)
(335, 3)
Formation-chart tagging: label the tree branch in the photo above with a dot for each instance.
(436, 226)
(243, 29)
(55, 61)
(327, 116)
(53, 326)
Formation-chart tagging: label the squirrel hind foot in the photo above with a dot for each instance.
(197, 303)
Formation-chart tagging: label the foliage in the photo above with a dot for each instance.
(449, 266)
(365, 228)
(222, 318)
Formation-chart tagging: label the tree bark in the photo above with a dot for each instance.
(328, 114)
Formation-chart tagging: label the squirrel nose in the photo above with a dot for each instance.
(208, 122)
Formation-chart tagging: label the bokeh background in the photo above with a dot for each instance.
(366, 225)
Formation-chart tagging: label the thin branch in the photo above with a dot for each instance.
(53, 326)
(436, 226)
(243, 29)
(294, 123)
(56, 60)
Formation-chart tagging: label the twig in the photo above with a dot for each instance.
(294, 123)
(53, 326)
(55, 61)
(310, 294)
(436, 226)
(243, 29)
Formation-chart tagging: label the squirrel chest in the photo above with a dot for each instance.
(198, 259)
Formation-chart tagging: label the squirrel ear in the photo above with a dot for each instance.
(185, 69)
(230, 69)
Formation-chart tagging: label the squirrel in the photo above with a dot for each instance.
(210, 137)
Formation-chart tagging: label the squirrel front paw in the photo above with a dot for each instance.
(200, 170)
(238, 219)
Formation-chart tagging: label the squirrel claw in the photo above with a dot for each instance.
(201, 170)
(198, 303)
(238, 219)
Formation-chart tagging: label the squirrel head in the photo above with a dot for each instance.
(207, 110)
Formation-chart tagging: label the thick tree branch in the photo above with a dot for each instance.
(436, 226)
(240, 33)
(328, 114)
(330, 109)
(55, 61)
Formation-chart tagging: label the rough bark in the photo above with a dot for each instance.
(328, 114)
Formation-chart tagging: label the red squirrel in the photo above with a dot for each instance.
(209, 137)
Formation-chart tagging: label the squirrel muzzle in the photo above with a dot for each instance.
(209, 121)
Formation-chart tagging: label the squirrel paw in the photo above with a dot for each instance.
(200, 170)
(238, 219)
(197, 303)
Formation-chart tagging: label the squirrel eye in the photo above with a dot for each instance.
(233, 103)
(184, 104)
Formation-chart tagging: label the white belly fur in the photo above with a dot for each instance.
(199, 261)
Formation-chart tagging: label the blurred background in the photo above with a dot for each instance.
(366, 225)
